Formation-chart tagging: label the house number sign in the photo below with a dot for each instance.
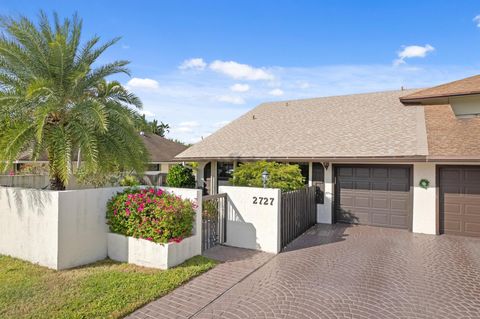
(263, 200)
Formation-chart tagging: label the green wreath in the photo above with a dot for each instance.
(424, 183)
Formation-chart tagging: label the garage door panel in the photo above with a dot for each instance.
(472, 191)
(398, 220)
(380, 172)
(380, 203)
(472, 228)
(453, 209)
(471, 176)
(380, 186)
(362, 202)
(459, 189)
(380, 219)
(380, 195)
(345, 172)
(347, 201)
(399, 204)
(471, 211)
(452, 225)
(362, 185)
(451, 175)
(399, 187)
(362, 172)
(396, 173)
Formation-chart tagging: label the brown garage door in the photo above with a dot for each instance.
(375, 195)
(460, 200)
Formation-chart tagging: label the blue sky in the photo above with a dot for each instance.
(199, 64)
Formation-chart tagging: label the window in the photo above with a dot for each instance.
(153, 167)
(224, 171)
(318, 180)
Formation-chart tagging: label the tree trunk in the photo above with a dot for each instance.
(56, 184)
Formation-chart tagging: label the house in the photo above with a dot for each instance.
(405, 159)
(162, 153)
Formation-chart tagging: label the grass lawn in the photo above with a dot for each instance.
(105, 289)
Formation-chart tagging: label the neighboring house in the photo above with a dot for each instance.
(162, 153)
(369, 154)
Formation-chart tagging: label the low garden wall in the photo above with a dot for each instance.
(253, 218)
(64, 229)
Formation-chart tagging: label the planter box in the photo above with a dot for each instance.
(149, 254)
(65, 229)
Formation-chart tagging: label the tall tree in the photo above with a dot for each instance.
(54, 100)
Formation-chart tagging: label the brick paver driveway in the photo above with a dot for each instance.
(360, 272)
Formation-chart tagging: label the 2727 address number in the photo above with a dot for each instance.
(263, 200)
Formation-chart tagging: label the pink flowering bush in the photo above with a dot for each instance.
(151, 214)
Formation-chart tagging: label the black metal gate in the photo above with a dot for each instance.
(298, 213)
(214, 220)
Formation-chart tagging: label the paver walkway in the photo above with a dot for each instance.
(189, 299)
(335, 271)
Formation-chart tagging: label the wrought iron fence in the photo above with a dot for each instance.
(298, 213)
(214, 220)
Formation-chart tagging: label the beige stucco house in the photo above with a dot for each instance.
(406, 159)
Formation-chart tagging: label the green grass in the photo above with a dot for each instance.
(105, 289)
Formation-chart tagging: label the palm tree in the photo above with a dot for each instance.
(54, 101)
(159, 129)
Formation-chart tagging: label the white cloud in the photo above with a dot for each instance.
(413, 51)
(189, 124)
(185, 127)
(477, 20)
(276, 92)
(303, 85)
(230, 99)
(195, 64)
(146, 113)
(143, 84)
(240, 71)
(125, 46)
(193, 97)
(238, 87)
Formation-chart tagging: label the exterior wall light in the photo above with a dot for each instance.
(264, 178)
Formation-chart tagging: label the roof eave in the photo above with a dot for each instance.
(406, 158)
(406, 99)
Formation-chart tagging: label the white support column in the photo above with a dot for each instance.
(214, 179)
(424, 200)
(310, 173)
(324, 211)
(200, 171)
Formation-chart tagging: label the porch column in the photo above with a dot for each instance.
(324, 211)
(310, 174)
(214, 179)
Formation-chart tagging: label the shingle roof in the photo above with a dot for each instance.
(352, 126)
(470, 85)
(450, 137)
(160, 149)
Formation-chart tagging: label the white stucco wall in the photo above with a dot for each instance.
(324, 211)
(29, 225)
(424, 200)
(82, 228)
(64, 229)
(249, 225)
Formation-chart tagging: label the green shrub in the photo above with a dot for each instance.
(151, 214)
(287, 177)
(180, 176)
(129, 180)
